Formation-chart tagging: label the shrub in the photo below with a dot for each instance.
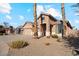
(18, 44)
(1, 33)
(47, 44)
(59, 40)
(54, 36)
(48, 36)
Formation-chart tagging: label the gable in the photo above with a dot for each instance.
(28, 25)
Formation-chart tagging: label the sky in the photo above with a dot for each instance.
(17, 14)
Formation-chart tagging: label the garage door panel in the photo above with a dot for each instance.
(27, 32)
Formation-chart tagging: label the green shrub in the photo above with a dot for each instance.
(54, 36)
(18, 44)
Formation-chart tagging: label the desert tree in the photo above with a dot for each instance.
(6, 24)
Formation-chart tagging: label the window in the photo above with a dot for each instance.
(43, 18)
(59, 28)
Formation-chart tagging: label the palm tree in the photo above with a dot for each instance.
(63, 18)
(35, 21)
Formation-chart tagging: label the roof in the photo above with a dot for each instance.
(68, 23)
(27, 23)
(53, 18)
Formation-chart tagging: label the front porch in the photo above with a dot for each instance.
(51, 30)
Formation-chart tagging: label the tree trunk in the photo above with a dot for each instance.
(63, 18)
(35, 21)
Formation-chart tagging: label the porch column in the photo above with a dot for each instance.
(47, 26)
(39, 27)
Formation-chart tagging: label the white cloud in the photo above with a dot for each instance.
(77, 21)
(40, 9)
(21, 17)
(48, 10)
(5, 8)
(8, 17)
(54, 12)
(77, 14)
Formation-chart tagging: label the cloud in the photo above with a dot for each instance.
(40, 9)
(5, 8)
(77, 21)
(49, 10)
(21, 17)
(54, 12)
(8, 17)
(77, 14)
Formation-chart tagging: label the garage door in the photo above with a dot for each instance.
(27, 32)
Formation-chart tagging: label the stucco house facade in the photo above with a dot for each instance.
(48, 26)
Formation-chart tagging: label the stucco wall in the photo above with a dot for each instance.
(27, 32)
(69, 31)
(54, 29)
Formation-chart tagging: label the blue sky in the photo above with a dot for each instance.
(17, 14)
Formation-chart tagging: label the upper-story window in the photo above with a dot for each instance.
(43, 18)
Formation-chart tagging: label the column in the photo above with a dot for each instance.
(39, 27)
(47, 26)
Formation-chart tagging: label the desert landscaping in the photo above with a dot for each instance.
(37, 47)
(37, 29)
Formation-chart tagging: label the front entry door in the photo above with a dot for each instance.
(44, 29)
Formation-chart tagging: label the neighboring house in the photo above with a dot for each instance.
(18, 30)
(27, 28)
(48, 26)
(4, 30)
(7, 31)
